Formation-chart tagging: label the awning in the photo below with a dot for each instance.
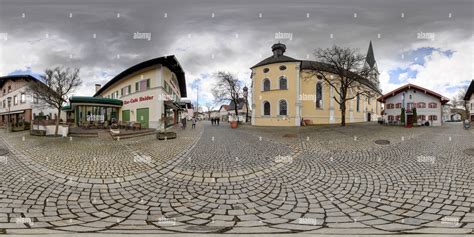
(173, 105)
(13, 112)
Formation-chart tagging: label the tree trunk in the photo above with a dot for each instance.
(57, 122)
(343, 114)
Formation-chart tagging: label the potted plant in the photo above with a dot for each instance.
(234, 123)
(164, 135)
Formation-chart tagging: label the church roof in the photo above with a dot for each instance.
(273, 59)
(469, 91)
(370, 58)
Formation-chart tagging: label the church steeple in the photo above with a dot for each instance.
(372, 65)
(370, 58)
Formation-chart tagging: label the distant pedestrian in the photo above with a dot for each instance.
(183, 122)
(213, 121)
(194, 122)
(218, 120)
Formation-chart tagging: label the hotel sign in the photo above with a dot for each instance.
(139, 99)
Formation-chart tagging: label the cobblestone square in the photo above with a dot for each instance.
(249, 180)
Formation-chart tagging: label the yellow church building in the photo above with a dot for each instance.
(286, 91)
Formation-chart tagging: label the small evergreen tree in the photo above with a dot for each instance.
(402, 116)
(415, 117)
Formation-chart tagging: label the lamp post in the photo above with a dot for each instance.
(246, 93)
(9, 100)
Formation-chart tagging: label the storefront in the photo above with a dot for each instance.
(148, 93)
(84, 111)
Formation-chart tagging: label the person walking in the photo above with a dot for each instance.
(212, 121)
(218, 119)
(194, 122)
(183, 122)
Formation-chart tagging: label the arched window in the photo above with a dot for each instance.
(266, 84)
(266, 108)
(432, 105)
(421, 105)
(283, 83)
(319, 95)
(283, 107)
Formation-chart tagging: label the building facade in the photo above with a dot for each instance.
(429, 105)
(286, 91)
(23, 106)
(469, 100)
(148, 93)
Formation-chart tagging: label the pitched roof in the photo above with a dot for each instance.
(241, 102)
(314, 65)
(469, 91)
(16, 77)
(224, 106)
(168, 61)
(273, 59)
(370, 58)
(443, 99)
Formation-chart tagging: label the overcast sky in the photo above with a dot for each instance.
(424, 42)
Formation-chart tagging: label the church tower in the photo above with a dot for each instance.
(372, 65)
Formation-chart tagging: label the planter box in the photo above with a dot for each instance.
(38, 132)
(233, 124)
(166, 135)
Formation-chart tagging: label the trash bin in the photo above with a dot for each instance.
(467, 124)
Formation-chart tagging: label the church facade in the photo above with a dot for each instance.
(287, 92)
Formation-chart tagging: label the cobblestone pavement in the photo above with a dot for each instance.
(314, 180)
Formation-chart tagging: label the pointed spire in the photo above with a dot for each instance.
(370, 58)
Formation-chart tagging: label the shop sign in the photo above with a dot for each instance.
(139, 99)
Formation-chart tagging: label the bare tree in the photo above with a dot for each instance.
(57, 84)
(459, 99)
(210, 106)
(228, 88)
(343, 70)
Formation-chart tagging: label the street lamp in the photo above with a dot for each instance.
(9, 100)
(246, 93)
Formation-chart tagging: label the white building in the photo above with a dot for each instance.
(148, 93)
(469, 98)
(224, 116)
(428, 104)
(22, 106)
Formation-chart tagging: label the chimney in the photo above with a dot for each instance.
(97, 87)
